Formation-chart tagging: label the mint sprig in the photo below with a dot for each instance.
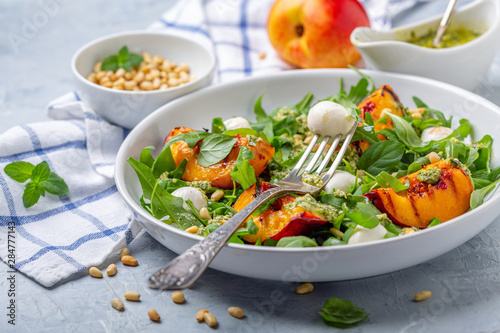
(42, 180)
(123, 59)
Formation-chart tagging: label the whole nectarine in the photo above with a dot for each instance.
(315, 33)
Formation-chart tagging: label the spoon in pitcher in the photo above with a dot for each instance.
(444, 23)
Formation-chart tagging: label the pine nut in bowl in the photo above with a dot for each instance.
(171, 66)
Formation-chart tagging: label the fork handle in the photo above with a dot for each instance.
(184, 270)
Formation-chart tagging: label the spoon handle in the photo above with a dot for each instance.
(444, 23)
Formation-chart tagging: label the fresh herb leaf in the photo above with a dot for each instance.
(407, 134)
(433, 222)
(296, 241)
(477, 196)
(218, 125)
(19, 171)
(215, 148)
(364, 215)
(243, 172)
(179, 171)
(55, 185)
(386, 180)
(253, 229)
(145, 175)
(146, 157)
(242, 132)
(260, 114)
(333, 241)
(338, 311)
(40, 172)
(123, 59)
(31, 194)
(381, 156)
(305, 103)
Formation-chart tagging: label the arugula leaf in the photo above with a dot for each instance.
(296, 241)
(145, 175)
(342, 312)
(386, 180)
(31, 194)
(305, 103)
(477, 196)
(407, 134)
(179, 171)
(145, 157)
(366, 77)
(433, 113)
(215, 148)
(218, 125)
(260, 114)
(243, 172)
(55, 185)
(381, 156)
(19, 171)
(123, 59)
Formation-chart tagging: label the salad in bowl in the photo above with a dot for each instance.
(406, 169)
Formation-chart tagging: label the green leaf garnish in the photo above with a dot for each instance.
(215, 148)
(337, 311)
(123, 59)
(296, 241)
(19, 171)
(243, 172)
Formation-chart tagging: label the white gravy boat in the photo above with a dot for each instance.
(463, 65)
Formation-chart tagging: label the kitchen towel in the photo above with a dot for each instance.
(60, 236)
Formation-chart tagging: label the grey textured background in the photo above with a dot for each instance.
(465, 282)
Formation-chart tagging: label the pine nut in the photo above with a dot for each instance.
(183, 67)
(146, 85)
(97, 67)
(337, 232)
(236, 312)
(205, 214)
(433, 157)
(217, 195)
(117, 304)
(153, 315)
(120, 72)
(139, 77)
(177, 297)
(200, 314)
(192, 230)
(262, 55)
(308, 140)
(409, 231)
(129, 261)
(95, 272)
(163, 86)
(298, 137)
(422, 296)
(304, 288)
(130, 85)
(147, 57)
(210, 319)
(124, 252)
(92, 78)
(132, 296)
(111, 270)
(416, 115)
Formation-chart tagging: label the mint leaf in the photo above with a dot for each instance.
(123, 59)
(40, 172)
(19, 171)
(341, 312)
(31, 194)
(215, 148)
(110, 63)
(55, 185)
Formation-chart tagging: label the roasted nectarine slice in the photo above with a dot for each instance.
(446, 197)
(220, 173)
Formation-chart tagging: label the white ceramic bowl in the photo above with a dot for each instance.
(128, 108)
(322, 263)
(463, 65)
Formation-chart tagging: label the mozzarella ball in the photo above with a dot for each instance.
(329, 119)
(363, 235)
(435, 133)
(197, 197)
(236, 122)
(341, 180)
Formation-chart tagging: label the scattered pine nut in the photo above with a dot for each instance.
(236, 312)
(129, 261)
(124, 252)
(416, 115)
(308, 140)
(111, 270)
(193, 229)
(433, 157)
(177, 297)
(200, 314)
(132, 296)
(337, 232)
(153, 315)
(262, 55)
(205, 214)
(210, 319)
(117, 304)
(304, 288)
(217, 195)
(409, 231)
(422, 296)
(95, 272)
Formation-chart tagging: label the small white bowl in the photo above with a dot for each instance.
(128, 108)
(463, 65)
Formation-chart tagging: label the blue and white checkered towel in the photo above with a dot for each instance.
(60, 236)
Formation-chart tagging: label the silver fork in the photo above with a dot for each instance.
(184, 270)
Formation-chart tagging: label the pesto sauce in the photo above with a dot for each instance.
(204, 185)
(252, 140)
(310, 204)
(455, 162)
(429, 176)
(452, 37)
(283, 113)
(312, 179)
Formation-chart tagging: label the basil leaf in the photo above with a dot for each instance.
(268, 128)
(146, 157)
(243, 172)
(340, 311)
(215, 148)
(260, 114)
(433, 222)
(270, 242)
(386, 180)
(55, 185)
(242, 132)
(19, 171)
(296, 241)
(407, 134)
(40, 172)
(31, 194)
(477, 196)
(381, 156)
(253, 229)
(333, 241)
(364, 215)
(218, 125)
